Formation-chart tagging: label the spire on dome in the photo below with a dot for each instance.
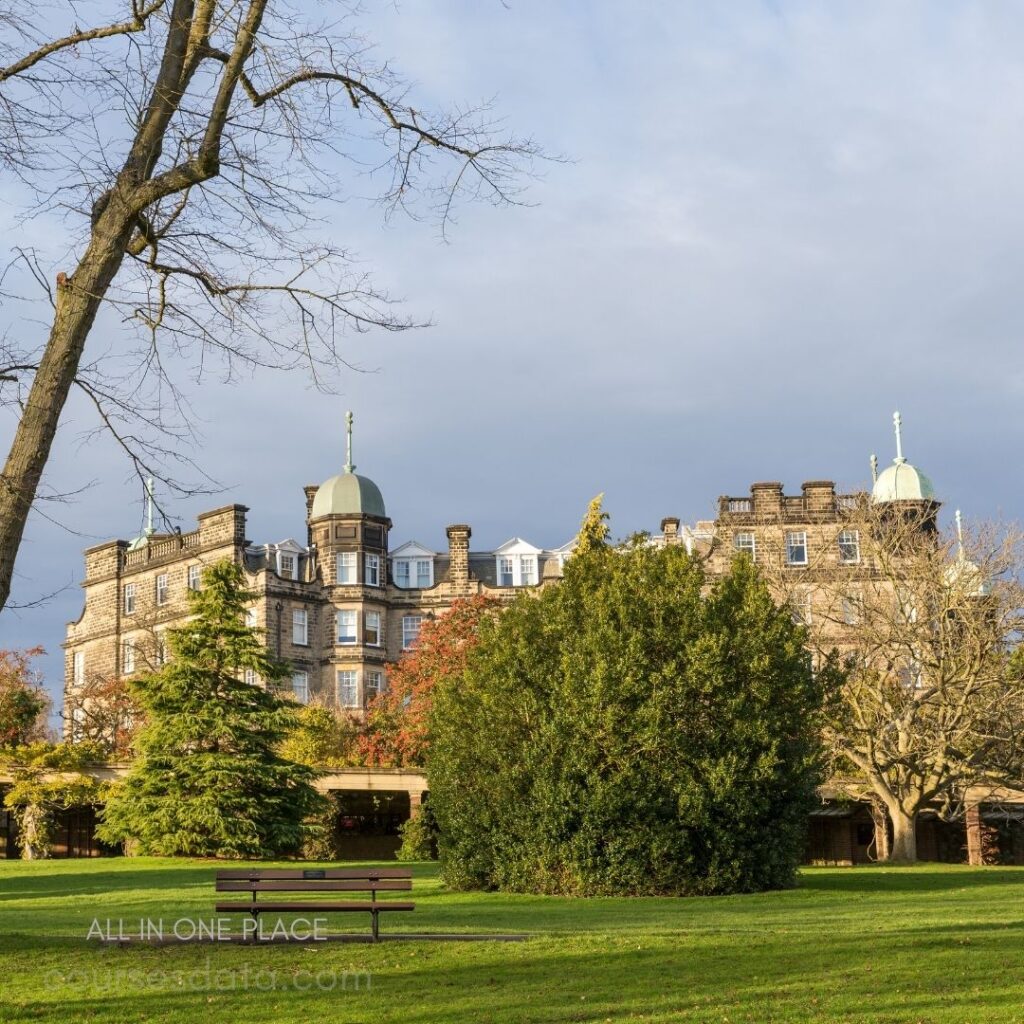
(349, 467)
(959, 533)
(901, 481)
(147, 533)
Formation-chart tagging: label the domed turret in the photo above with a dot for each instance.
(962, 575)
(901, 481)
(348, 494)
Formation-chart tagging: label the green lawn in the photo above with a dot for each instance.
(928, 944)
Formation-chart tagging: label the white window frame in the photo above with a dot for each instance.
(78, 668)
(346, 561)
(251, 677)
(371, 569)
(77, 724)
(162, 589)
(287, 564)
(515, 570)
(129, 599)
(803, 606)
(506, 576)
(349, 614)
(300, 627)
(849, 538)
(368, 631)
(194, 573)
(251, 618)
(424, 573)
(351, 678)
(792, 543)
(409, 637)
(373, 682)
(128, 656)
(529, 571)
(739, 543)
(400, 569)
(850, 607)
(300, 686)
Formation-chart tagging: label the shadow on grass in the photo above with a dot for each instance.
(884, 878)
(800, 978)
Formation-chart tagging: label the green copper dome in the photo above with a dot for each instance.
(348, 494)
(901, 481)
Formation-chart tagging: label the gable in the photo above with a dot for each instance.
(517, 546)
(412, 549)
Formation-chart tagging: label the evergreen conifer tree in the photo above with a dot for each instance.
(208, 779)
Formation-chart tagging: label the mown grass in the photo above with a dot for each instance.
(931, 944)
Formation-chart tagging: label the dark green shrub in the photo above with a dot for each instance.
(632, 730)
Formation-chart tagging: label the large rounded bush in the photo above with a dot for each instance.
(632, 730)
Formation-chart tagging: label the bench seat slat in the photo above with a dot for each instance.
(313, 885)
(300, 908)
(366, 874)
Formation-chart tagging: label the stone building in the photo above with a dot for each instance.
(337, 606)
(342, 603)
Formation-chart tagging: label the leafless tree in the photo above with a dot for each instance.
(187, 144)
(932, 710)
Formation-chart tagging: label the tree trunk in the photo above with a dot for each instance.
(904, 836)
(880, 818)
(77, 301)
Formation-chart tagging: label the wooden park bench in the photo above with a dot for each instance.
(315, 880)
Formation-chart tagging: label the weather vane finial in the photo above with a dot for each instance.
(960, 533)
(149, 506)
(349, 467)
(897, 422)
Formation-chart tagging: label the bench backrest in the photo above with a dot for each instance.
(314, 880)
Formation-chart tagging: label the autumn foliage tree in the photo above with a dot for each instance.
(23, 701)
(397, 733)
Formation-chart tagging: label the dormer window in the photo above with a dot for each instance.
(412, 566)
(517, 571)
(516, 564)
(401, 573)
(285, 566)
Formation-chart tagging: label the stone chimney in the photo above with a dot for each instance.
(670, 529)
(767, 498)
(223, 526)
(819, 495)
(458, 555)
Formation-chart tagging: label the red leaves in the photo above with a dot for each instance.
(397, 727)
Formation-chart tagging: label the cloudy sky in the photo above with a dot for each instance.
(780, 222)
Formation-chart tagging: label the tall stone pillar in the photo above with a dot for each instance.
(975, 844)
